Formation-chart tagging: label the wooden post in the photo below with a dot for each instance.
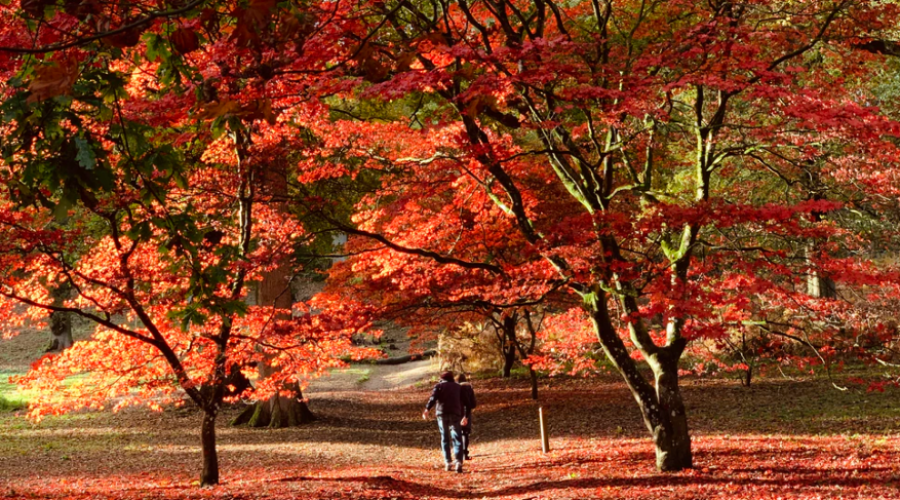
(545, 437)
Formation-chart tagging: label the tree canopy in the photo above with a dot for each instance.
(661, 175)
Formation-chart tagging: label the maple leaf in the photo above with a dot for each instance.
(185, 40)
(52, 79)
(218, 109)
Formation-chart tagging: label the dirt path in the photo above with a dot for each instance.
(366, 377)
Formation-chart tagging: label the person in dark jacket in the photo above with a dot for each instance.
(469, 404)
(447, 397)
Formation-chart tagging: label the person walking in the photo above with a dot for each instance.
(447, 398)
(469, 404)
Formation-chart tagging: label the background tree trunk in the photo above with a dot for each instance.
(509, 344)
(210, 474)
(275, 291)
(60, 322)
(60, 331)
(278, 411)
(534, 383)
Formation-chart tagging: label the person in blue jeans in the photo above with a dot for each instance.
(447, 397)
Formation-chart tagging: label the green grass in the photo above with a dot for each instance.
(12, 404)
(14, 399)
(11, 398)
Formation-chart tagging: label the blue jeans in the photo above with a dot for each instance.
(450, 430)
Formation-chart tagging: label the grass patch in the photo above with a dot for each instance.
(11, 397)
(9, 404)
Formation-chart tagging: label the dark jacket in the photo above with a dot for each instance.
(447, 395)
(468, 399)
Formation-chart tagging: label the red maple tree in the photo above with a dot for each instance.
(649, 158)
(139, 146)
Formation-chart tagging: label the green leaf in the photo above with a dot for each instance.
(85, 156)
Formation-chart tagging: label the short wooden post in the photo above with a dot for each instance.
(545, 437)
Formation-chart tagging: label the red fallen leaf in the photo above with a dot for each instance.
(185, 40)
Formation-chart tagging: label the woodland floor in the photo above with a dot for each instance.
(778, 439)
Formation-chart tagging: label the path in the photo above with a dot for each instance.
(369, 377)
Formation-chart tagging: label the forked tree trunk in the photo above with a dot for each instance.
(661, 406)
(210, 474)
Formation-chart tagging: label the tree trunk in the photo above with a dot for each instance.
(820, 287)
(661, 407)
(236, 383)
(277, 412)
(509, 359)
(534, 383)
(60, 331)
(210, 474)
(275, 291)
(817, 285)
(526, 354)
(670, 428)
(60, 321)
(748, 376)
(509, 345)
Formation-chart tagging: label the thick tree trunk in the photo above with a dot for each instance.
(817, 285)
(661, 407)
(820, 287)
(277, 412)
(60, 321)
(60, 331)
(236, 383)
(210, 474)
(669, 426)
(275, 291)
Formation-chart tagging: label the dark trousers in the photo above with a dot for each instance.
(451, 433)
